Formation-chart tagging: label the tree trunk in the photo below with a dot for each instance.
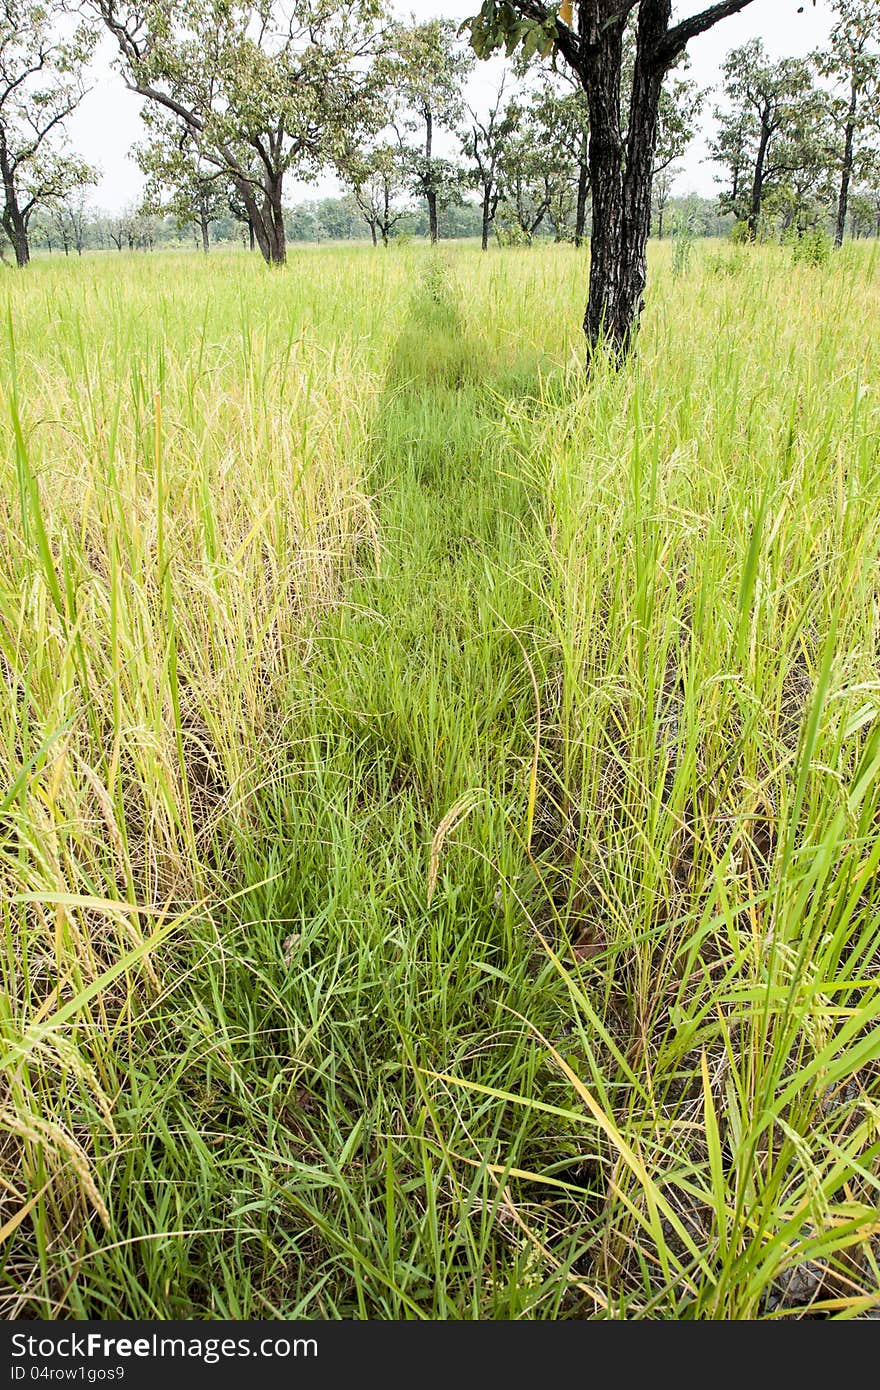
(266, 220)
(644, 121)
(277, 236)
(430, 190)
(602, 74)
(847, 169)
(15, 224)
(487, 216)
(659, 224)
(583, 188)
(622, 200)
(621, 179)
(203, 225)
(21, 247)
(758, 182)
(373, 233)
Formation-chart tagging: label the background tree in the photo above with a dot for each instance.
(261, 87)
(869, 188)
(563, 119)
(765, 101)
(534, 181)
(431, 70)
(802, 190)
(377, 181)
(681, 104)
(41, 64)
(852, 61)
(116, 231)
(622, 149)
(72, 219)
(484, 143)
(562, 110)
(861, 214)
(664, 182)
(179, 181)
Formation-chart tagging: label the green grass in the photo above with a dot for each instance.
(440, 791)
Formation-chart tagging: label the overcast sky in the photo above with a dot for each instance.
(107, 123)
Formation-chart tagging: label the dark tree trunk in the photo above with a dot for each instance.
(758, 181)
(386, 217)
(251, 237)
(430, 190)
(265, 219)
(602, 74)
(203, 227)
(659, 224)
(622, 199)
(621, 171)
(644, 120)
(277, 234)
(847, 169)
(583, 188)
(373, 233)
(21, 247)
(487, 214)
(14, 221)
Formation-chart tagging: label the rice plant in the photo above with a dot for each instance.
(440, 790)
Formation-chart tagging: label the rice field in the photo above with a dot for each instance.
(440, 789)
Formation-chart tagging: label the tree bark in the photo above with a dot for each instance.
(601, 77)
(847, 169)
(487, 215)
(644, 120)
(203, 225)
(277, 234)
(583, 188)
(758, 180)
(430, 190)
(14, 220)
(265, 219)
(16, 230)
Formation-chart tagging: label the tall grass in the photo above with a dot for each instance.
(440, 790)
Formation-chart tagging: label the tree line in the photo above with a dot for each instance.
(583, 133)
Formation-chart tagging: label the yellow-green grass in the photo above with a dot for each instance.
(440, 789)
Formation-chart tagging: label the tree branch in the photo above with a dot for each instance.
(679, 36)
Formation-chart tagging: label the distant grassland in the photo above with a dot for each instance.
(440, 792)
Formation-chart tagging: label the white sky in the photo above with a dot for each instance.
(107, 123)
